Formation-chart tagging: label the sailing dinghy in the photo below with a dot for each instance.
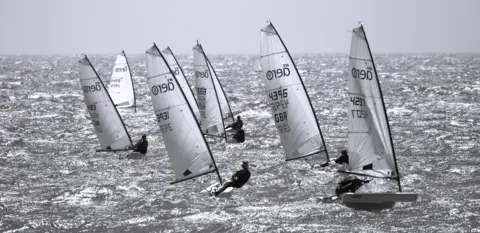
(111, 132)
(182, 80)
(292, 110)
(186, 146)
(121, 88)
(370, 145)
(212, 102)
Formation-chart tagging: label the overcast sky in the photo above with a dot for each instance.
(233, 26)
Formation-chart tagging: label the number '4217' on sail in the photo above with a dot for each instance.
(370, 145)
(186, 146)
(292, 110)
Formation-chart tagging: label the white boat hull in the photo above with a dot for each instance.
(212, 188)
(376, 201)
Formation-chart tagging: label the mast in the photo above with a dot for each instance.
(103, 86)
(221, 87)
(214, 89)
(384, 110)
(181, 70)
(131, 79)
(306, 93)
(196, 122)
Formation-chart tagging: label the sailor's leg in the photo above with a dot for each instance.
(225, 186)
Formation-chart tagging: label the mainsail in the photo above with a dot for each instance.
(211, 115)
(187, 149)
(108, 124)
(120, 87)
(370, 144)
(182, 80)
(292, 110)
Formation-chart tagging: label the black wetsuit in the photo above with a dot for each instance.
(349, 185)
(239, 135)
(238, 180)
(237, 125)
(141, 146)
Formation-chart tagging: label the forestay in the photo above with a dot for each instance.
(222, 98)
(187, 149)
(121, 84)
(182, 80)
(109, 127)
(292, 111)
(369, 141)
(208, 103)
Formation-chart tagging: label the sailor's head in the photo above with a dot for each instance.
(144, 137)
(344, 152)
(238, 117)
(245, 165)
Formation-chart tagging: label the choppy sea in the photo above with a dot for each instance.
(51, 179)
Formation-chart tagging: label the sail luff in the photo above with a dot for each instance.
(111, 101)
(384, 110)
(193, 115)
(306, 93)
(131, 79)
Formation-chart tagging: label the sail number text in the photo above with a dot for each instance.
(164, 87)
(201, 99)
(362, 74)
(278, 73)
(279, 99)
(358, 113)
(162, 116)
(115, 82)
(166, 128)
(357, 101)
(279, 117)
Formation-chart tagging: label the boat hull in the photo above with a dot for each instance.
(376, 201)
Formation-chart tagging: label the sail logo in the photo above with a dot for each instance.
(362, 74)
(164, 87)
(176, 71)
(278, 73)
(92, 88)
(120, 69)
(200, 74)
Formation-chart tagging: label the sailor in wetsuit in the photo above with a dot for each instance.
(237, 125)
(140, 148)
(238, 179)
(351, 183)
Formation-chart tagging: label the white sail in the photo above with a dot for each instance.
(120, 87)
(187, 149)
(291, 107)
(109, 127)
(208, 103)
(369, 143)
(182, 80)
(222, 98)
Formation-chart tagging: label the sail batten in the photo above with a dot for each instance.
(121, 88)
(108, 125)
(367, 113)
(186, 147)
(293, 112)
